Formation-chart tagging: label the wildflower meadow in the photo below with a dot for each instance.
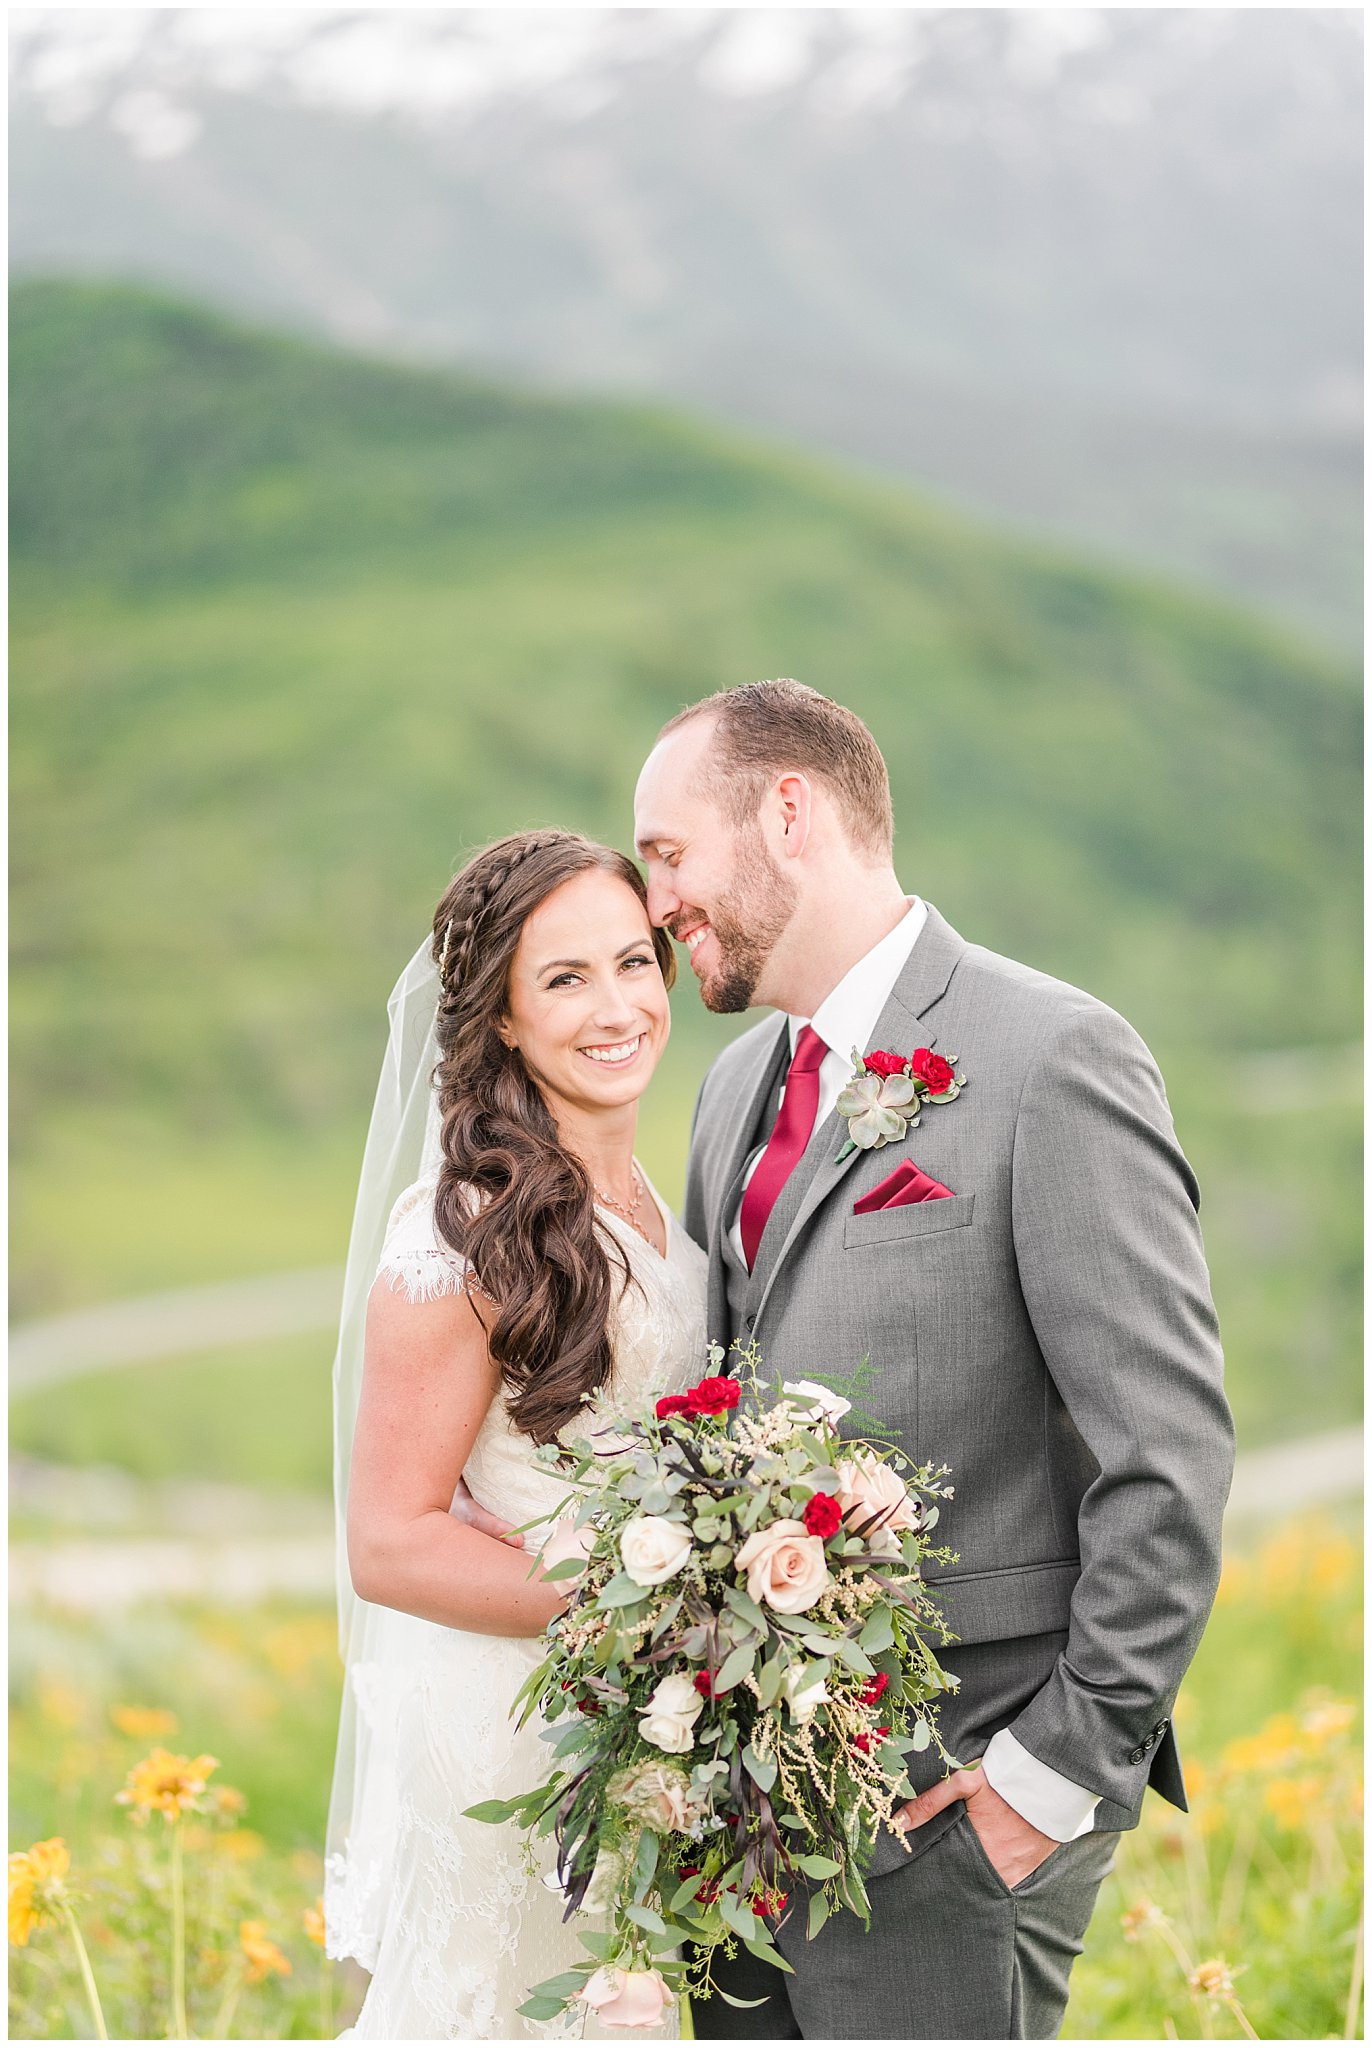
(171, 1768)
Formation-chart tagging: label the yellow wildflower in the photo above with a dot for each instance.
(1143, 1914)
(225, 1803)
(58, 1702)
(295, 1647)
(1213, 1978)
(1233, 1582)
(314, 1922)
(1327, 1720)
(166, 1784)
(263, 1956)
(1274, 1747)
(1333, 1565)
(35, 1887)
(1291, 1800)
(143, 1723)
(242, 1844)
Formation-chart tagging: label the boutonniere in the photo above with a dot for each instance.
(883, 1099)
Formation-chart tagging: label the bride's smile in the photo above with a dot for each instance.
(587, 1004)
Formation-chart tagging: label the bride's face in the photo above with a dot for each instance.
(587, 1005)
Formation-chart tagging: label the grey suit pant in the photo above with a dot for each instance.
(953, 1952)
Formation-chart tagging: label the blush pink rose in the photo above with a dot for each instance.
(868, 1486)
(564, 1542)
(627, 1998)
(785, 1566)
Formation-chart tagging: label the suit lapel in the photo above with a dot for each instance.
(903, 1024)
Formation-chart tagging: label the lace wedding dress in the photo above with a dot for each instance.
(443, 1911)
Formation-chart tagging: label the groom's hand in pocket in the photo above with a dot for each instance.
(1014, 1846)
(465, 1509)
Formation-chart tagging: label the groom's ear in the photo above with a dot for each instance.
(796, 799)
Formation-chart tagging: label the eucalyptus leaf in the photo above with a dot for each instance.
(493, 1810)
(820, 1910)
(736, 1666)
(761, 1770)
(570, 1568)
(541, 2008)
(566, 1985)
(745, 1607)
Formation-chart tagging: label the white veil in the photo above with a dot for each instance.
(378, 1645)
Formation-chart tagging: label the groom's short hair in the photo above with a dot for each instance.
(762, 730)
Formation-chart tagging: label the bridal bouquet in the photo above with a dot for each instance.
(730, 1696)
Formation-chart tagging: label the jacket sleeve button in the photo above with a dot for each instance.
(1136, 1756)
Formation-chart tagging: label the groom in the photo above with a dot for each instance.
(1030, 1286)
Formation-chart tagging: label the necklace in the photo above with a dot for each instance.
(629, 1211)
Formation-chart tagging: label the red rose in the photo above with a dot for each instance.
(770, 1902)
(672, 1404)
(708, 1892)
(874, 1688)
(884, 1063)
(932, 1069)
(823, 1515)
(864, 1742)
(713, 1397)
(704, 1683)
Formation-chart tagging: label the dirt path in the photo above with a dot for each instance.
(173, 1325)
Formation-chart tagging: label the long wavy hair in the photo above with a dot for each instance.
(511, 1201)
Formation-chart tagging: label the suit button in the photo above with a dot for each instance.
(1136, 1756)
(748, 1322)
(1148, 1742)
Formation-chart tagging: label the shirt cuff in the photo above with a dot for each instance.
(1043, 1797)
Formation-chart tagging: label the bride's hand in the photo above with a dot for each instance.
(465, 1509)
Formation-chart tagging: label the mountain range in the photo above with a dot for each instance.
(1091, 273)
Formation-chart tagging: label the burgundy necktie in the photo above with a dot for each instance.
(790, 1135)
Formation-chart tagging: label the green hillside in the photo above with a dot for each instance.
(292, 629)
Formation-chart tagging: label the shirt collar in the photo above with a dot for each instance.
(848, 1015)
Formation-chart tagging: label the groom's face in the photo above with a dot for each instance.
(715, 886)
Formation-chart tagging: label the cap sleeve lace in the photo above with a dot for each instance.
(415, 1261)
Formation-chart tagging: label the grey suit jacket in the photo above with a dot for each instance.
(1048, 1333)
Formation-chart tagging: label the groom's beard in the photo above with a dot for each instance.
(746, 925)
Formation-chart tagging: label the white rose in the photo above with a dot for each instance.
(785, 1566)
(868, 1486)
(827, 1405)
(672, 1714)
(653, 1549)
(803, 1693)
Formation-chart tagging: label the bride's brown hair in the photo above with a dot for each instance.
(546, 1272)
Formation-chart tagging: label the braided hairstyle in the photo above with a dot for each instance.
(516, 1205)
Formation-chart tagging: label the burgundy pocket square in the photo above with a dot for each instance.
(909, 1183)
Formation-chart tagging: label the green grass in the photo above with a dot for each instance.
(292, 630)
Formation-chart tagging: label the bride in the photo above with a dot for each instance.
(528, 1274)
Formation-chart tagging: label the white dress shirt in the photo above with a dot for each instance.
(845, 1020)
